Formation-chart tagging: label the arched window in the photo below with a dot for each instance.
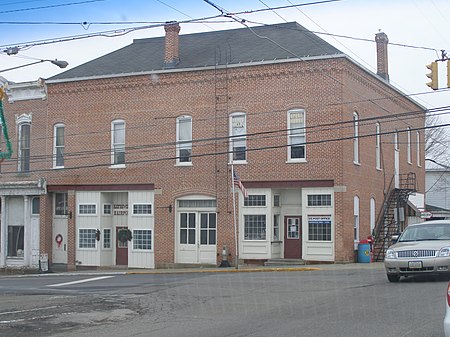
(296, 135)
(378, 146)
(238, 137)
(58, 146)
(372, 215)
(184, 140)
(355, 138)
(118, 142)
(356, 220)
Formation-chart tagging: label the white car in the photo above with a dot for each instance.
(422, 249)
(447, 313)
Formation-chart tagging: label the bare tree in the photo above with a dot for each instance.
(437, 151)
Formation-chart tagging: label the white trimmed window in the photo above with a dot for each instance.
(106, 238)
(107, 209)
(142, 209)
(24, 148)
(418, 149)
(372, 215)
(184, 140)
(356, 220)
(378, 146)
(87, 238)
(208, 228)
(61, 203)
(319, 228)
(319, 200)
(276, 227)
(87, 209)
(255, 200)
(355, 138)
(118, 142)
(296, 135)
(254, 227)
(58, 146)
(35, 206)
(408, 149)
(142, 239)
(238, 137)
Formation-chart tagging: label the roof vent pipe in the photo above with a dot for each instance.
(171, 56)
(381, 40)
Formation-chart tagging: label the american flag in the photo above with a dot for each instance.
(237, 182)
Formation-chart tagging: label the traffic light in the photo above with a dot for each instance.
(433, 66)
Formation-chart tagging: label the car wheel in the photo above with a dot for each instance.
(393, 277)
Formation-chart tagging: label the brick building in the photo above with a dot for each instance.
(130, 155)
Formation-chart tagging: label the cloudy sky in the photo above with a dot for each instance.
(68, 30)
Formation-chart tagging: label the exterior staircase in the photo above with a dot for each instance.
(388, 223)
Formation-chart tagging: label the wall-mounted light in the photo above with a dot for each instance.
(70, 214)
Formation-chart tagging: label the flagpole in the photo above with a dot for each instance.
(234, 217)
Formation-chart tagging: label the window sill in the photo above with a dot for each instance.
(295, 161)
(238, 162)
(357, 163)
(184, 164)
(379, 169)
(57, 167)
(118, 166)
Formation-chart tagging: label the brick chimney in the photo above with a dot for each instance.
(172, 56)
(382, 57)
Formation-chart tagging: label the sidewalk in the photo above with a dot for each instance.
(240, 269)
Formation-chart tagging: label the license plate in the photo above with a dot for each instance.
(415, 264)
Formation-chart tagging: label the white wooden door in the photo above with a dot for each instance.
(197, 234)
(60, 240)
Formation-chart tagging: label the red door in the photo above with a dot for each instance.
(121, 248)
(292, 237)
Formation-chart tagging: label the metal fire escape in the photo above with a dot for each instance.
(389, 219)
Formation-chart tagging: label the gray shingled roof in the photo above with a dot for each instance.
(201, 49)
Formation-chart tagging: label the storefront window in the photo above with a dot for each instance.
(15, 241)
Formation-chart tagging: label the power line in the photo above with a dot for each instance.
(227, 152)
(49, 6)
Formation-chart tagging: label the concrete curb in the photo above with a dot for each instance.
(222, 270)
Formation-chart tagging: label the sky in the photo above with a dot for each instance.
(418, 30)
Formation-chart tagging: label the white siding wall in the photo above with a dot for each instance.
(88, 256)
(317, 250)
(141, 258)
(255, 249)
(437, 183)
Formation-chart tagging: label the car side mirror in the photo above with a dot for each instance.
(394, 238)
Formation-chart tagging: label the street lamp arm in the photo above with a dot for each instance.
(61, 64)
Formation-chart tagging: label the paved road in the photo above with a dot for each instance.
(339, 301)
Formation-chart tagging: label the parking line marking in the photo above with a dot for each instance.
(79, 281)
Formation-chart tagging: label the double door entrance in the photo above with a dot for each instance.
(196, 237)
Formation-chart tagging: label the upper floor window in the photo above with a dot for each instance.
(238, 138)
(118, 142)
(58, 146)
(319, 200)
(24, 148)
(255, 200)
(296, 135)
(355, 138)
(419, 163)
(408, 149)
(184, 140)
(378, 146)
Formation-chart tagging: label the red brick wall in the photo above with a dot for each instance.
(329, 90)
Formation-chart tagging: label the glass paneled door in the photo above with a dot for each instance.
(197, 232)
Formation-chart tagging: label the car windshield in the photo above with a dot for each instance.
(426, 232)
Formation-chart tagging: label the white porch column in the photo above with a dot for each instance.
(27, 232)
(3, 241)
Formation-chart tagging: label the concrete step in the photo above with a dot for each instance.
(284, 262)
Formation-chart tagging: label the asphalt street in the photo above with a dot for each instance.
(332, 300)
